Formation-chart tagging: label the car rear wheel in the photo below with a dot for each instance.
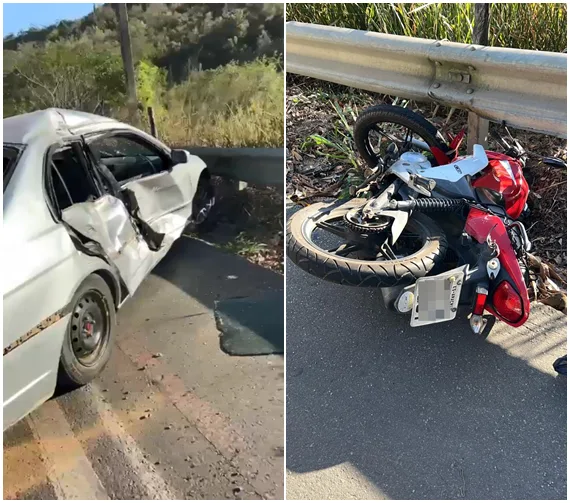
(90, 334)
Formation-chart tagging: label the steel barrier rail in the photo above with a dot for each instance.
(526, 89)
(262, 166)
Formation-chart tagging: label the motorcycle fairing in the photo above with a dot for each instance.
(504, 175)
(479, 225)
(453, 172)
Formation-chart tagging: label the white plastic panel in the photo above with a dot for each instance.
(466, 166)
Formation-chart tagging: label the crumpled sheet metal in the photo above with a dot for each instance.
(164, 203)
(107, 222)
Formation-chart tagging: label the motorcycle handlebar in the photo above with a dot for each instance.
(517, 151)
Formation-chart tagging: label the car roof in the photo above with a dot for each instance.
(54, 121)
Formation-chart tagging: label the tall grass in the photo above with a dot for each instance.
(535, 26)
(236, 105)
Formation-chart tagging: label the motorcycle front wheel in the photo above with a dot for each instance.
(321, 243)
(379, 126)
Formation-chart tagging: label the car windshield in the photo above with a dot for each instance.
(11, 155)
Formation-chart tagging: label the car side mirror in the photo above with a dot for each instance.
(179, 156)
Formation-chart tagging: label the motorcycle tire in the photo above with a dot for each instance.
(394, 115)
(357, 272)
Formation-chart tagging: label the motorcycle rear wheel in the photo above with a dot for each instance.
(354, 271)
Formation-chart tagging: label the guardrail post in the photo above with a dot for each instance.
(478, 128)
(477, 131)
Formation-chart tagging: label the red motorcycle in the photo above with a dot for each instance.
(430, 228)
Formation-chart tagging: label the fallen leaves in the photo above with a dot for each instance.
(546, 284)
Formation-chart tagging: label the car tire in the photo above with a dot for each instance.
(91, 327)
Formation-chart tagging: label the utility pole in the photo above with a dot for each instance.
(478, 128)
(127, 55)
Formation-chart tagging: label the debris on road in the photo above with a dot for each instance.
(545, 284)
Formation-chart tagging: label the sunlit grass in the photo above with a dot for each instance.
(231, 106)
(535, 26)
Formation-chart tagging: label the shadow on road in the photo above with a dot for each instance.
(430, 413)
(209, 274)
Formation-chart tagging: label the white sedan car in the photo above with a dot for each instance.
(91, 205)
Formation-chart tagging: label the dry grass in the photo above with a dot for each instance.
(535, 26)
(232, 106)
(249, 223)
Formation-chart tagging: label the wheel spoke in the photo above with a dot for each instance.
(387, 135)
(344, 249)
(333, 229)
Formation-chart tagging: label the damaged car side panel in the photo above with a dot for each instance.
(107, 222)
(162, 202)
(165, 200)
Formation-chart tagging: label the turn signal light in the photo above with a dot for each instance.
(507, 302)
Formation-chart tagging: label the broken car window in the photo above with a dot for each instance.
(71, 183)
(127, 158)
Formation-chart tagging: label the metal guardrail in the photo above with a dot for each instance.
(526, 89)
(261, 166)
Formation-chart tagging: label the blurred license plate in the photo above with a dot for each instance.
(436, 298)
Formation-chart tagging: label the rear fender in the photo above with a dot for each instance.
(479, 225)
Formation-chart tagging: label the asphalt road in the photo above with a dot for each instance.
(378, 410)
(171, 416)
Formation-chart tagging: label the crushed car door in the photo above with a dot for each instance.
(143, 205)
(96, 219)
(157, 193)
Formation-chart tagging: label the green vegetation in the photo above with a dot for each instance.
(243, 245)
(212, 72)
(535, 26)
(234, 105)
